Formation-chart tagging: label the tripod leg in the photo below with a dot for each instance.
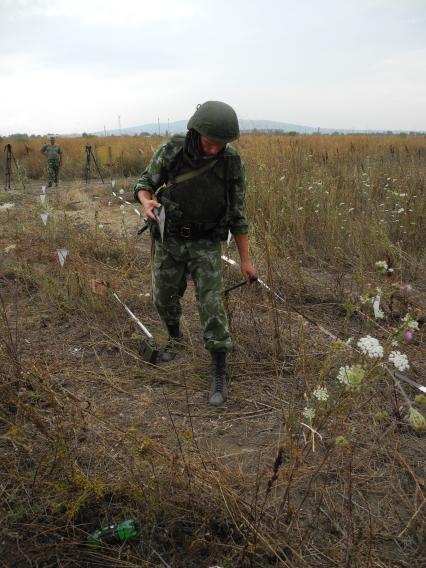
(87, 172)
(97, 167)
(8, 169)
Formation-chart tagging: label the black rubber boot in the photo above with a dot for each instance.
(175, 337)
(218, 386)
(174, 330)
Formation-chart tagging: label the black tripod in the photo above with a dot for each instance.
(8, 157)
(89, 157)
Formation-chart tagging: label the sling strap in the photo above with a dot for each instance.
(188, 175)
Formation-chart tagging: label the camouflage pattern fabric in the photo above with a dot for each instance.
(52, 171)
(173, 261)
(53, 151)
(156, 174)
(176, 257)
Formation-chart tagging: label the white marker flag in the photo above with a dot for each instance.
(62, 255)
(43, 188)
(113, 183)
(378, 313)
(44, 217)
(42, 198)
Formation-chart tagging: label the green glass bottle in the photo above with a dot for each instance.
(115, 534)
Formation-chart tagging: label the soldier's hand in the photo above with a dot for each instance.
(149, 207)
(248, 270)
(148, 204)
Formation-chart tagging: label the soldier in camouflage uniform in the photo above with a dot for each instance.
(199, 180)
(54, 160)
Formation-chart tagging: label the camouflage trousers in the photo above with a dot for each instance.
(173, 261)
(52, 171)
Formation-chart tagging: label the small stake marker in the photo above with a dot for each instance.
(376, 307)
(62, 255)
(44, 217)
(43, 188)
(42, 198)
(113, 183)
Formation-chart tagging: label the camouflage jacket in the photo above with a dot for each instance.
(161, 168)
(53, 151)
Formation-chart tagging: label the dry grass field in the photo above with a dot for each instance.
(318, 457)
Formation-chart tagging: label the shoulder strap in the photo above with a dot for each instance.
(189, 175)
(194, 173)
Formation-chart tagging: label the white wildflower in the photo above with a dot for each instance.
(121, 191)
(321, 393)
(351, 377)
(401, 210)
(100, 226)
(122, 207)
(309, 413)
(381, 265)
(370, 346)
(409, 322)
(394, 343)
(7, 206)
(417, 420)
(399, 360)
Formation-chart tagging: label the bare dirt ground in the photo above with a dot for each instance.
(84, 347)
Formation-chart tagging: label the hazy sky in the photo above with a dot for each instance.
(75, 65)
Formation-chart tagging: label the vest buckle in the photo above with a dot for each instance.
(185, 232)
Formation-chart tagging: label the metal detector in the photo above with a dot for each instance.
(147, 347)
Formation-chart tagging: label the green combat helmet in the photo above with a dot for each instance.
(216, 121)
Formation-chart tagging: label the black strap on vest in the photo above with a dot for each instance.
(187, 176)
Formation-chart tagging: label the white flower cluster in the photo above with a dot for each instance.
(410, 323)
(351, 377)
(400, 360)
(382, 266)
(370, 346)
(343, 374)
(321, 393)
(309, 413)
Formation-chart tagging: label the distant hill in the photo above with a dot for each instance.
(245, 125)
(180, 126)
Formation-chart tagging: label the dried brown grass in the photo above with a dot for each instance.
(90, 434)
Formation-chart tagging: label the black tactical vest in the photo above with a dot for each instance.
(198, 207)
